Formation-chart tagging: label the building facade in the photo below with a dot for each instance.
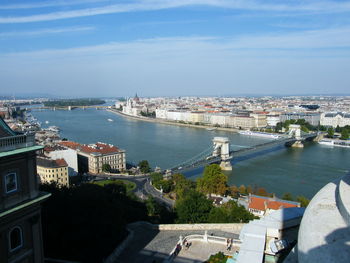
(312, 118)
(92, 157)
(69, 155)
(335, 119)
(51, 171)
(20, 198)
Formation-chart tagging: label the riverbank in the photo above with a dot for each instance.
(140, 118)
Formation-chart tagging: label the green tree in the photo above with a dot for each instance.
(330, 132)
(213, 180)
(182, 185)
(156, 177)
(288, 197)
(166, 185)
(344, 134)
(144, 166)
(106, 168)
(278, 127)
(230, 212)
(303, 201)
(193, 208)
(96, 223)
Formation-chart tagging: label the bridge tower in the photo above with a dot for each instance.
(222, 149)
(295, 131)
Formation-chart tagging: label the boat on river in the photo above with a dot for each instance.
(260, 134)
(334, 142)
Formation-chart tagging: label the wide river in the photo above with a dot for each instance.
(298, 171)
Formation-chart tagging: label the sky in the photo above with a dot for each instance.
(99, 48)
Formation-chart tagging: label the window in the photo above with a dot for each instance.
(11, 182)
(15, 238)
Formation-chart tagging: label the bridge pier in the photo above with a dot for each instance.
(222, 148)
(295, 129)
(298, 144)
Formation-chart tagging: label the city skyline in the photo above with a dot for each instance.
(103, 48)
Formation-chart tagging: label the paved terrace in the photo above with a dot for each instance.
(152, 245)
(200, 251)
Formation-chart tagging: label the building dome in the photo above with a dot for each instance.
(324, 234)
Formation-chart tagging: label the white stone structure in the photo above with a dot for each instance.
(222, 148)
(324, 232)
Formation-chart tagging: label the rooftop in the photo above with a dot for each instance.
(98, 148)
(48, 163)
(262, 203)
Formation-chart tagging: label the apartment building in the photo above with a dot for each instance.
(92, 157)
(51, 171)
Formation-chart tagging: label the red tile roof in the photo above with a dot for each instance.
(99, 147)
(263, 203)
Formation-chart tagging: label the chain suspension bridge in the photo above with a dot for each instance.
(222, 151)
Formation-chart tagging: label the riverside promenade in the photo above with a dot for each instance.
(141, 118)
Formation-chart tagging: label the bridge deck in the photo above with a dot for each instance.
(241, 152)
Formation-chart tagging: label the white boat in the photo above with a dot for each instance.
(47, 122)
(53, 129)
(260, 134)
(337, 143)
(211, 129)
(109, 120)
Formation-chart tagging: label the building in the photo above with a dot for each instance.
(20, 198)
(261, 205)
(311, 117)
(69, 155)
(52, 171)
(92, 157)
(334, 119)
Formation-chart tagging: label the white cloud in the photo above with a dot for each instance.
(45, 31)
(323, 41)
(148, 5)
(51, 3)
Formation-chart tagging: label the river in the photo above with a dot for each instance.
(298, 171)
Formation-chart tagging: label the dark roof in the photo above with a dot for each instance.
(333, 114)
(48, 163)
(5, 130)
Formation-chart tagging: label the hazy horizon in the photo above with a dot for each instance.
(107, 48)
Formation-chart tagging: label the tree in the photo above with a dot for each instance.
(242, 189)
(213, 181)
(106, 168)
(288, 197)
(144, 166)
(344, 134)
(193, 208)
(303, 201)
(230, 212)
(182, 185)
(330, 132)
(278, 127)
(96, 223)
(156, 177)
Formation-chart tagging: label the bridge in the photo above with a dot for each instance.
(97, 107)
(222, 152)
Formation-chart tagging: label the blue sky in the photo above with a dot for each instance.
(174, 48)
